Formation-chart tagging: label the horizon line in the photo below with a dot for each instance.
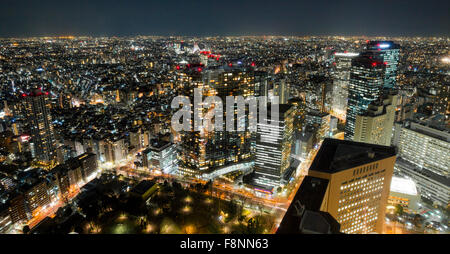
(218, 36)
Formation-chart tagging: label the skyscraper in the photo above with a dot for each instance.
(341, 80)
(37, 113)
(359, 176)
(273, 148)
(203, 152)
(366, 84)
(375, 126)
(388, 53)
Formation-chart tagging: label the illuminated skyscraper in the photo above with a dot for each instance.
(366, 84)
(388, 53)
(37, 113)
(203, 153)
(359, 177)
(273, 148)
(341, 80)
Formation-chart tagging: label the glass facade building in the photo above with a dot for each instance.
(273, 148)
(388, 53)
(341, 79)
(366, 85)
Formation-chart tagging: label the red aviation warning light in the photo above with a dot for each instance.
(178, 67)
(374, 64)
(199, 69)
(253, 64)
(25, 138)
(230, 64)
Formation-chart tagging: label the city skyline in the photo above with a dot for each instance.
(230, 118)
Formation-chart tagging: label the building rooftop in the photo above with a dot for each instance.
(304, 215)
(403, 185)
(368, 60)
(375, 45)
(36, 92)
(424, 172)
(335, 155)
(158, 145)
(430, 128)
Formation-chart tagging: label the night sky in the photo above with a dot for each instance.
(20, 18)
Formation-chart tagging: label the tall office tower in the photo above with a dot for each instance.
(387, 52)
(359, 176)
(341, 80)
(376, 124)
(273, 148)
(424, 155)
(441, 104)
(366, 84)
(191, 154)
(205, 153)
(37, 112)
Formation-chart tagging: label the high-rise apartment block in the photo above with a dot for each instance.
(37, 113)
